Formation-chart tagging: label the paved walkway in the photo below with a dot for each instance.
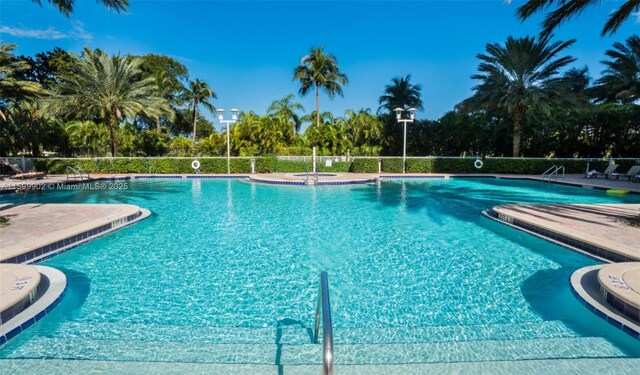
(601, 225)
(32, 226)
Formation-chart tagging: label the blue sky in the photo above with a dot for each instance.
(246, 50)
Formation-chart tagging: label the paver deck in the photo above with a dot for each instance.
(601, 225)
(32, 226)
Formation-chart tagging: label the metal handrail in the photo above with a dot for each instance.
(77, 172)
(552, 171)
(548, 170)
(327, 330)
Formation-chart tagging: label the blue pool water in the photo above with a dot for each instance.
(230, 262)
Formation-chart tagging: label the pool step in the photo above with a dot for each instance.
(360, 354)
(570, 366)
(301, 335)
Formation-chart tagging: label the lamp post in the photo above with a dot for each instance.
(412, 112)
(234, 118)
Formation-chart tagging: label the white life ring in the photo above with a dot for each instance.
(195, 165)
(478, 164)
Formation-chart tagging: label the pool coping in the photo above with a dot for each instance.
(489, 214)
(51, 290)
(586, 288)
(52, 249)
(597, 250)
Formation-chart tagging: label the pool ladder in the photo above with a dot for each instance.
(553, 171)
(76, 173)
(324, 306)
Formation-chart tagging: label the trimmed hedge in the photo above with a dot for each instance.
(271, 164)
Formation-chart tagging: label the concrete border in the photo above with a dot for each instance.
(51, 289)
(599, 250)
(585, 286)
(50, 250)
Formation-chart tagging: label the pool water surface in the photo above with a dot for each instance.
(231, 262)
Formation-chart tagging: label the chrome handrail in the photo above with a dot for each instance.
(79, 172)
(552, 171)
(327, 330)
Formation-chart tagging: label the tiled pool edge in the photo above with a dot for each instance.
(59, 247)
(595, 303)
(594, 251)
(490, 214)
(56, 284)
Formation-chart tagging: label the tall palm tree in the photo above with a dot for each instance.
(620, 81)
(107, 89)
(319, 70)
(66, 6)
(567, 9)
(12, 88)
(516, 76)
(165, 88)
(198, 93)
(286, 108)
(400, 93)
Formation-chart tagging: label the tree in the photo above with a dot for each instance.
(567, 9)
(46, 67)
(12, 88)
(401, 94)
(286, 108)
(620, 81)
(168, 75)
(66, 6)
(519, 75)
(319, 70)
(198, 93)
(107, 89)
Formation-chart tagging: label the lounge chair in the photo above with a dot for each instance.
(610, 169)
(20, 175)
(633, 171)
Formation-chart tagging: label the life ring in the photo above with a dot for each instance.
(195, 165)
(478, 164)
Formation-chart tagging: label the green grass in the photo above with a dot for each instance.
(4, 221)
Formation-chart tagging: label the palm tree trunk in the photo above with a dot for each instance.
(317, 105)
(113, 126)
(195, 121)
(517, 129)
(158, 124)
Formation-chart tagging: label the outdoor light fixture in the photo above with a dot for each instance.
(234, 118)
(412, 112)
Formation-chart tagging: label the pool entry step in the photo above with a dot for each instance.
(291, 350)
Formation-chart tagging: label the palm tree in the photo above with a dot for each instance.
(286, 108)
(198, 93)
(516, 76)
(107, 89)
(567, 9)
(401, 94)
(319, 70)
(165, 88)
(11, 87)
(66, 6)
(620, 81)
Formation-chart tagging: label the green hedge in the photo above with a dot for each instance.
(271, 164)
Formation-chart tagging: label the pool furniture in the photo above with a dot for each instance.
(633, 171)
(20, 175)
(610, 169)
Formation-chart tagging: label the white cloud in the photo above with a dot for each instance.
(637, 14)
(77, 32)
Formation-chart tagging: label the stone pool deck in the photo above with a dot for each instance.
(36, 231)
(599, 225)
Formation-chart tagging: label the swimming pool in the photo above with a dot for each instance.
(227, 271)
